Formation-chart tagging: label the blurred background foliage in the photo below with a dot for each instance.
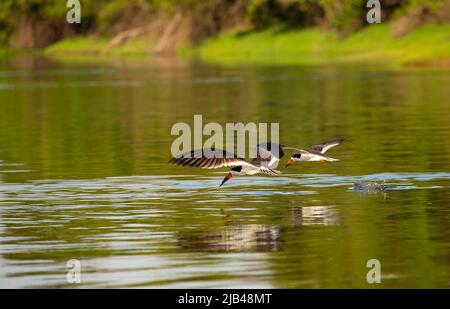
(39, 23)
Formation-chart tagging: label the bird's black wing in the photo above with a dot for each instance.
(323, 147)
(209, 158)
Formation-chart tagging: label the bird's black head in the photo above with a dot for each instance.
(237, 169)
(295, 157)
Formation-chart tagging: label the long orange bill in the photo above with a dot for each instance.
(289, 162)
(227, 177)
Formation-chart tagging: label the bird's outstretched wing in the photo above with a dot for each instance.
(268, 154)
(323, 147)
(296, 150)
(209, 158)
(269, 171)
(270, 149)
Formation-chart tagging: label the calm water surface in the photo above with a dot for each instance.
(83, 175)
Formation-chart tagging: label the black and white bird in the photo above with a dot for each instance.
(267, 157)
(315, 152)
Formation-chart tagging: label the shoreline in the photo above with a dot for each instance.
(426, 46)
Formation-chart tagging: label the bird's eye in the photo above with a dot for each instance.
(297, 155)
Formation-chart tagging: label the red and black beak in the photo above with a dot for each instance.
(289, 162)
(227, 177)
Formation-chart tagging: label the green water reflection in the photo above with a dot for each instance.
(84, 174)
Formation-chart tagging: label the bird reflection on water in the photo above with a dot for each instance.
(235, 238)
(314, 215)
(255, 237)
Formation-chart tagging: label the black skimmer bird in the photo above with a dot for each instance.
(315, 152)
(267, 157)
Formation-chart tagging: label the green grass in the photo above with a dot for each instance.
(373, 43)
(277, 46)
(82, 45)
(8, 52)
(95, 46)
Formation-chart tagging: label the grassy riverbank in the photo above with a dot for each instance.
(412, 32)
(426, 44)
(98, 46)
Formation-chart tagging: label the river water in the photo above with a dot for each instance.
(84, 175)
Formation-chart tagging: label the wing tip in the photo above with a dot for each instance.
(341, 139)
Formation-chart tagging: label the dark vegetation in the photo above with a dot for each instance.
(39, 23)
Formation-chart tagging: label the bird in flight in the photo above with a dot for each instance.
(267, 157)
(315, 152)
